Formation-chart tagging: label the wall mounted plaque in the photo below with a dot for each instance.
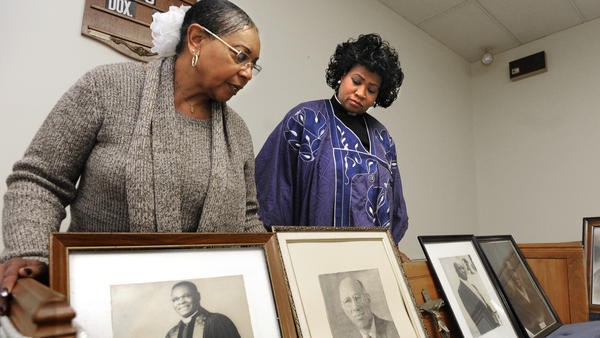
(124, 25)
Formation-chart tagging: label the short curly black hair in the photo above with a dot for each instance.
(374, 53)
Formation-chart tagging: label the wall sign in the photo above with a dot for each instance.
(124, 25)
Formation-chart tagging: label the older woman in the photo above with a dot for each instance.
(142, 148)
(329, 162)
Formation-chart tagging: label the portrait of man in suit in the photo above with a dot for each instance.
(356, 303)
(197, 321)
(524, 298)
(473, 299)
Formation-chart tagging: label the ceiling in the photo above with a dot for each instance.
(470, 27)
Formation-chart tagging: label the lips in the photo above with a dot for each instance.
(183, 308)
(355, 103)
(234, 88)
(359, 315)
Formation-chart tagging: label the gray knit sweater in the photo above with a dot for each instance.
(110, 150)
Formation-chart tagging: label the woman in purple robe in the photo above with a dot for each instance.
(329, 162)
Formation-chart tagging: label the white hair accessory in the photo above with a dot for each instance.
(165, 30)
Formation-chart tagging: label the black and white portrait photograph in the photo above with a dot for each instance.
(472, 296)
(347, 282)
(533, 310)
(356, 305)
(595, 289)
(470, 288)
(207, 307)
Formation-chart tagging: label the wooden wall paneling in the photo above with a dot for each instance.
(560, 271)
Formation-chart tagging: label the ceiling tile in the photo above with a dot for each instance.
(533, 19)
(467, 26)
(416, 11)
(467, 29)
(590, 9)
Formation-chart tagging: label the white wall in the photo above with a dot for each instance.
(431, 121)
(535, 140)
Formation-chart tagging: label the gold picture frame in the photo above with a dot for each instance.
(318, 260)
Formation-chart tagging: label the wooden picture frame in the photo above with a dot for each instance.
(532, 308)
(475, 298)
(591, 243)
(330, 269)
(237, 274)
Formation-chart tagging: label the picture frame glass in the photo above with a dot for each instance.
(532, 308)
(595, 272)
(332, 274)
(591, 240)
(475, 301)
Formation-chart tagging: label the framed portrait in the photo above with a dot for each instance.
(533, 310)
(591, 243)
(118, 283)
(476, 301)
(344, 282)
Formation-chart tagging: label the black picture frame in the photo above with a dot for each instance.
(531, 306)
(469, 289)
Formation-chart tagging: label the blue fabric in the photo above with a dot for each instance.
(314, 171)
(589, 329)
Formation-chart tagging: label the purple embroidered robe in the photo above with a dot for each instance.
(313, 170)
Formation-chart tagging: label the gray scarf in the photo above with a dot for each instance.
(152, 176)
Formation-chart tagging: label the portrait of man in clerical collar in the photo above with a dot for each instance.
(196, 320)
(471, 294)
(189, 308)
(356, 305)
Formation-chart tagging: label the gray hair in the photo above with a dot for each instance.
(219, 16)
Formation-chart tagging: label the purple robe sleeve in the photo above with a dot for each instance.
(274, 178)
(400, 216)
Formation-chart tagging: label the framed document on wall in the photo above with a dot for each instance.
(124, 25)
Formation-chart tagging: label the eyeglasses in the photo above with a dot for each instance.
(240, 57)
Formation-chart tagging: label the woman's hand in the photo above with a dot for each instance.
(403, 257)
(14, 269)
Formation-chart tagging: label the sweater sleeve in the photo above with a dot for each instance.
(44, 181)
(252, 222)
(244, 153)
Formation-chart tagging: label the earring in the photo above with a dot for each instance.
(195, 60)
(339, 81)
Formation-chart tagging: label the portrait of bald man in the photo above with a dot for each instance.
(356, 305)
